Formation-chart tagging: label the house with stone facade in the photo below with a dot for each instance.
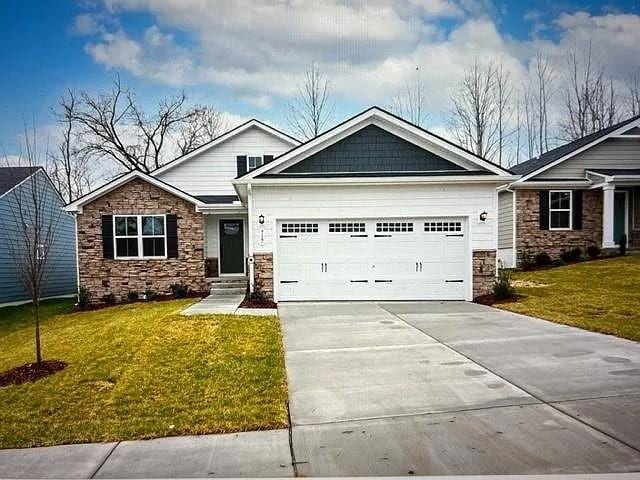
(374, 209)
(584, 193)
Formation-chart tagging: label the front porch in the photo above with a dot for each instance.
(226, 245)
(620, 206)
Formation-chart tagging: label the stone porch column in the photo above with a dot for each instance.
(608, 192)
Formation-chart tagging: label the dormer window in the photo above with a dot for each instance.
(254, 162)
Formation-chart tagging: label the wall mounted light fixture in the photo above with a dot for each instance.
(483, 216)
(261, 219)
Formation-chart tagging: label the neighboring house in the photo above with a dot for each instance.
(375, 208)
(584, 193)
(16, 205)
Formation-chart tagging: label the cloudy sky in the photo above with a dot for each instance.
(246, 57)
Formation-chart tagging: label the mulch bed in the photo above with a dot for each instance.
(247, 303)
(30, 372)
(490, 299)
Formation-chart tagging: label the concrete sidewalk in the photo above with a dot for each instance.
(228, 304)
(249, 454)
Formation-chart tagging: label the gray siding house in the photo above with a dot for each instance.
(584, 193)
(60, 275)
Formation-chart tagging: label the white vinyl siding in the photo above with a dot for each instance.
(611, 153)
(211, 172)
(392, 201)
(505, 220)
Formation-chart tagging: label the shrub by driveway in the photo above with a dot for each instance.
(602, 296)
(141, 371)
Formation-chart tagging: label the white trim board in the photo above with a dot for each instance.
(382, 119)
(118, 182)
(614, 134)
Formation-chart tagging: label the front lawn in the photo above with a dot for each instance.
(603, 295)
(141, 371)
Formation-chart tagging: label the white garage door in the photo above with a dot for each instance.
(373, 259)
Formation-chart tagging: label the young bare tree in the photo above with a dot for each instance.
(410, 102)
(205, 124)
(31, 230)
(504, 111)
(473, 118)
(590, 100)
(544, 78)
(69, 166)
(633, 94)
(113, 125)
(312, 108)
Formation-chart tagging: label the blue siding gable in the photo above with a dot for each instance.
(60, 275)
(372, 149)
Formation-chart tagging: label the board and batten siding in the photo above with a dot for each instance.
(60, 276)
(211, 172)
(383, 201)
(505, 220)
(611, 153)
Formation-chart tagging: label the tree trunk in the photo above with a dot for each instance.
(36, 307)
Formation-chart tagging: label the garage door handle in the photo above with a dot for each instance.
(288, 236)
(288, 281)
(455, 235)
(454, 281)
(383, 281)
(377, 236)
(359, 236)
(359, 281)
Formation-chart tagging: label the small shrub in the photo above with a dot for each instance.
(179, 290)
(572, 255)
(542, 259)
(150, 294)
(593, 251)
(502, 288)
(258, 296)
(109, 299)
(526, 262)
(622, 245)
(132, 296)
(84, 297)
(558, 262)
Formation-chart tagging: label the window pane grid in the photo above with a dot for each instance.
(442, 226)
(560, 210)
(394, 227)
(347, 227)
(140, 236)
(299, 228)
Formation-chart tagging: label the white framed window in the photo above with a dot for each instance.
(442, 226)
(254, 162)
(347, 227)
(394, 227)
(299, 228)
(560, 209)
(140, 236)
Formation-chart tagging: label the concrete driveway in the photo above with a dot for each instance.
(456, 388)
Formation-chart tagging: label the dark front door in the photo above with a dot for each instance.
(231, 246)
(619, 216)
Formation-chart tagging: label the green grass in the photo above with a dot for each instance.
(141, 371)
(602, 296)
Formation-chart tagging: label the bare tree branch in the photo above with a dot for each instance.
(204, 125)
(410, 102)
(312, 108)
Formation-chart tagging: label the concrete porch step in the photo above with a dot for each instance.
(223, 280)
(228, 291)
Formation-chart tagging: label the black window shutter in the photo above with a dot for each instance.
(268, 158)
(107, 236)
(172, 236)
(544, 209)
(576, 209)
(241, 162)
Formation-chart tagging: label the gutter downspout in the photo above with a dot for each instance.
(75, 224)
(250, 232)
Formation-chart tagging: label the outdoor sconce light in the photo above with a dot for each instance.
(261, 219)
(483, 216)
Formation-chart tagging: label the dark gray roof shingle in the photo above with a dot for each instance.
(616, 171)
(533, 164)
(217, 199)
(11, 176)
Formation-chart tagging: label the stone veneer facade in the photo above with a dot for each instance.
(530, 239)
(102, 276)
(263, 273)
(484, 272)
